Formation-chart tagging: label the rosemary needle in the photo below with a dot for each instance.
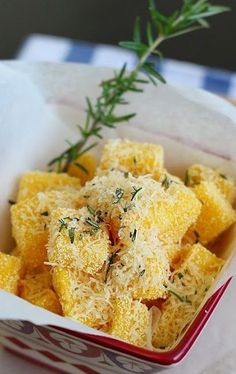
(191, 16)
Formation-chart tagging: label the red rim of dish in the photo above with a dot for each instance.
(162, 358)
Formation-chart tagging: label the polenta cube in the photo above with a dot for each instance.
(216, 215)
(83, 298)
(83, 167)
(133, 157)
(30, 220)
(10, 272)
(78, 240)
(36, 287)
(140, 267)
(198, 173)
(35, 281)
(33, 182)
(187, 288)
(130, 321)
(176, 212)
(47, 299)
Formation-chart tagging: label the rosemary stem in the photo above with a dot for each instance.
(149, 51)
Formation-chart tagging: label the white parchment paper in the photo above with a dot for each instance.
(40, 106)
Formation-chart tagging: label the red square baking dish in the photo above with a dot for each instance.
(52, 101)
(73, 352)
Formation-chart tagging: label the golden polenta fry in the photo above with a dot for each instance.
(198, 173)
(130, 321)
(35, 281)
(136, 158)
(10, 272)
(216, 215)
(84, 298)
(36, 287)
(30, 220)
(47, 299)
(77, 240)
(187, 287)
(33, 182)
(139, 268)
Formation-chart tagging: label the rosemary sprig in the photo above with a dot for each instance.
(192, 15)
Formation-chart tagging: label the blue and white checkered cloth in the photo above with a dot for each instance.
(55, 49)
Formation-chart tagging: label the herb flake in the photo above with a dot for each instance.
(166, 182)
(11, 202)
(46, 214)
(223, 176)
(119, 193)
(72, 234)
(92, 223)
(111, 261)
(142, 272)
(186, 178)
(183, 299)
(133, 235)
(134, 193)
(91, 210)
(63, 224)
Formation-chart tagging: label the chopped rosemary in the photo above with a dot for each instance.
(133, 235)
(92, 223)
(197, 236)
(134, 193)
(183, 299)
(127, 207)
(91, 210)
(111, 261)
(191, 16)
(81, 167)
(11, 202)
(44, 214)
(63, 224)
(99, 216)
(166, 182)
(119, 194)
(223, 176)
(180, 275)
(126, 174)
(186, 178)
(142, 272)
(72, 234)
(134, 160)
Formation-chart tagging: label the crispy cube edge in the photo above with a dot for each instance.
(130, 321)
(216, 214)
(33, 182)
(10, 273)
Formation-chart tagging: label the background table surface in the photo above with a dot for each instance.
(43, 48)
